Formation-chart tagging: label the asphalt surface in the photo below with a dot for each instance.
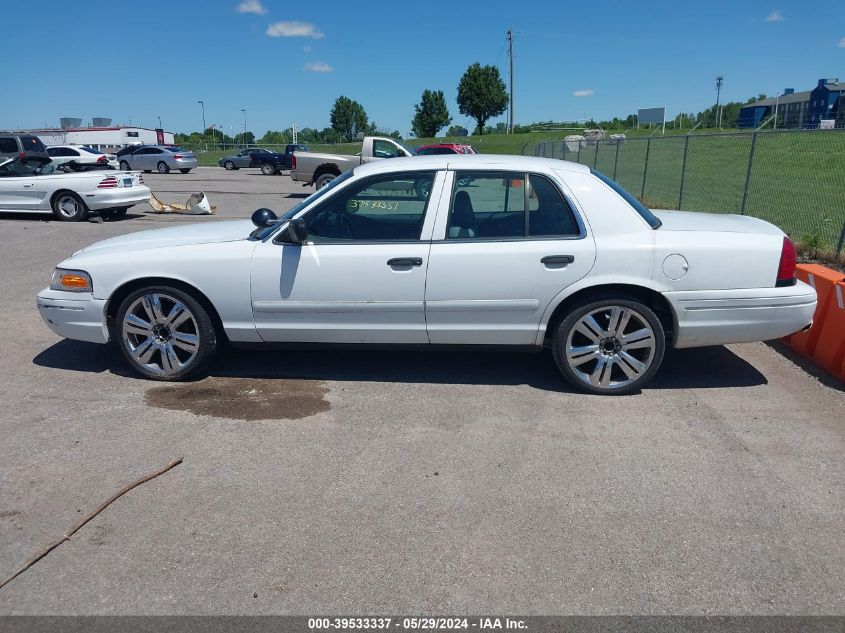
(366, 482)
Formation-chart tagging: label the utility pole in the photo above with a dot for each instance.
(719, 81)
(244, 111)
(510, 79)
(202, 103)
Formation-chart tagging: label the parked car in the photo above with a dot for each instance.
(320, 169)
(533, 253)
(268, 161)
(34, 186)
(21, 146)
(80, 157)
(161, 158)
(444, 148)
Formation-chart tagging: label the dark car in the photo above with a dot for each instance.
(129, 149)
(268, 161)
(22, 146)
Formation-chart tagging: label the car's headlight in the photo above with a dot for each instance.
(71, 281)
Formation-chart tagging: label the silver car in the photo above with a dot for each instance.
(161, 158)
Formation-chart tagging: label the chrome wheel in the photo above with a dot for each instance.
(163, 168)
(69, 207)
(611, 347)
(160, 334)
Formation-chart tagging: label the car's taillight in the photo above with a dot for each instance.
(140, 179)
(293, 161)
(109, 182)
(102, 159)
(786, 267)
(178, 156)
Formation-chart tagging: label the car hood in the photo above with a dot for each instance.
(719, 222)
(184, 235)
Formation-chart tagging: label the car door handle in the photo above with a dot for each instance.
(27, 186)
(405, 261)
(558, 259)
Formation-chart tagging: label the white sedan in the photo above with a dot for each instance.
(33, 186)
(80, 156)
(483, 250)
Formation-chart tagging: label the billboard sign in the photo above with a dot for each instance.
(651, 115)
(159, 136)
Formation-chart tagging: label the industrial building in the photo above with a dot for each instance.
(101, 134)
(807, 109)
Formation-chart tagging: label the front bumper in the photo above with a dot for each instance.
(117, 197)
(717, 317)
(74, 315)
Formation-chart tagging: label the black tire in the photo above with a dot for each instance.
(163, 168)
(323, 179)
(208, 342)
(268, 169)
(185, 171)
(69, 207)
(229, 165)
(124, 166)
(642, 359)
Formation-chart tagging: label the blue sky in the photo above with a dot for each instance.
(285, 62)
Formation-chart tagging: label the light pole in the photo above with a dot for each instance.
(202, 104)
(719, 81)
(244, 111)
(159, 122)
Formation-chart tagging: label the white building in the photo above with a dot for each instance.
(102, 137)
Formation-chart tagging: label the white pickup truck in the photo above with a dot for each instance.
(314, 168)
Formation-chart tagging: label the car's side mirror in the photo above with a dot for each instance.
(296, 231)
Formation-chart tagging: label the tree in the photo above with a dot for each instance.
(482, 94)
(431, 114)
(272, 137)
(348, 118)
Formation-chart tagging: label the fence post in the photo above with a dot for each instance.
(841, 241)
(683, 172)
(645, 167)
(748, 173)
(578, 160)
(616, 160)
(596, 157)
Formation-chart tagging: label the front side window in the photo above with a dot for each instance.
(501, 205)
(18, 168)
(383, 149)
(390, 207)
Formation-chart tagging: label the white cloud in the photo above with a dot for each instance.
(294, 29)
(776, 16)
(306, 49)
(317, 67)
(252, 6)
(842, 43)
(583, 93)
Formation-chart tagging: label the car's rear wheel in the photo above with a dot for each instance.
(323, 180)
(184, 171)
(68, 207)
(163, 168)
(268, 169)
(124, 166)
(165, 334)
(229, 165)
(609, 346)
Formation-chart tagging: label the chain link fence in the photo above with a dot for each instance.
(793, 179)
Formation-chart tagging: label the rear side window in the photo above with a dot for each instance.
(32, 144)
(652, 220)
(502, 205)
(8, 145)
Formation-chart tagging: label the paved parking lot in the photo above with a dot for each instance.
(362, 482)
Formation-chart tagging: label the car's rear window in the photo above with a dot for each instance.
(32, 144)
(174, 149)
(643, 211)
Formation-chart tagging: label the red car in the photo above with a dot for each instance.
(444, 148)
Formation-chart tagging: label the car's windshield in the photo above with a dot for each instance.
(653, 221)
(263, 231)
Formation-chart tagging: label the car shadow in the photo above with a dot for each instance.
(46, 216)
(298, 196)
(704, 368)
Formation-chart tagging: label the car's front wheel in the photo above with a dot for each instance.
(323, 180)
(609, 346)
(163, 168)
(68, 207)
(166, 334)
(268, 169)
(229, 165)
(124, 166)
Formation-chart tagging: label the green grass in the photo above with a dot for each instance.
(797, 178)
